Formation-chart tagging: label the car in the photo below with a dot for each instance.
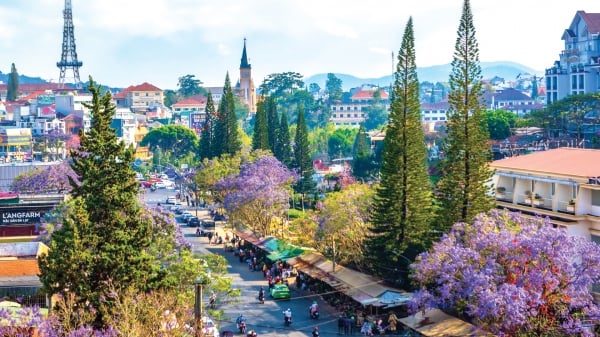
(168, 183)
(280, 291)
(185, 214)
(160, 184)
(193, 221)
(171, 200)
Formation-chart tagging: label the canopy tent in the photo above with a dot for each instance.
(363, 288)
(277, 249)
(436, 323)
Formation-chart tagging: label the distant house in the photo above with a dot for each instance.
(351, 114)
(512, 100)
(140, 98)
(576, 72)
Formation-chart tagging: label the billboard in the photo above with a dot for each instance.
(196, 121)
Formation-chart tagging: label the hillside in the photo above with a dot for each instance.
(440, 73)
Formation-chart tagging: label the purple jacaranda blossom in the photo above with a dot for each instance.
(50, 179)
(259, 193)
(511, 274)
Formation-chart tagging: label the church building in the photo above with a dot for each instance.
(245, 86)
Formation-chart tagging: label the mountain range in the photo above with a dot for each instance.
(440, 73)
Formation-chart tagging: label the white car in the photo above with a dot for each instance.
(171, 200)
(160, 184)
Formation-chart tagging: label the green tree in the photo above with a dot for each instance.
(344, 222)
(361, 157)
(175, 140)
(260, 137)
(226, 128)
(463, 189)
(170, 97)
(283, 150)
(377, 113)
(280, 83)
(211, 172)
(499, 123)
(189, 85)
(333, 89)
(403, 205)
(12, 88)
(303, 160)
(106, 243)
(272, 124)
(206, 149)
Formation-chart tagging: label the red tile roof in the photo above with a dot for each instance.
(592, 20)
(562, 161)
(368, 94)
(191, 101)
(19, 267)
(144, 87)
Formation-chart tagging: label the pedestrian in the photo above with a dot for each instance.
(264, 269)
(210, 235)
(340, 325)
(392, 321)
(347, 324)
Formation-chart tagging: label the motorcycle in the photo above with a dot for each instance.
(287, 321)
(313, 314)
(261, 298)
(242, 327)
(213, 303)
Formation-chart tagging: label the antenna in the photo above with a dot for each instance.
(68, 59)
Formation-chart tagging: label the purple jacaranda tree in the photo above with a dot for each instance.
(259, 194)
(511, 275)
(51, 179)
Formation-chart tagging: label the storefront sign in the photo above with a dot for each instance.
(20, 217)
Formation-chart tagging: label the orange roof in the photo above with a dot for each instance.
(19, 268)
(33, 95)
(562, 161)
(190, 101)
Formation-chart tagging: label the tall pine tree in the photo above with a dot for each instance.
(273, 123)
(303, 160)
(283, 150)
(403, 204)
(106, 243)
(260, 137)
(226, 128)
(361, 157)
(12, 88)
(206, 145)
(463, 190)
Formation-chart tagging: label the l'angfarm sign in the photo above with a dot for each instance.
(20, 217)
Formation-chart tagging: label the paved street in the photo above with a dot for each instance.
(266, 319)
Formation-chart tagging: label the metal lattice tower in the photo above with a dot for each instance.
(68, 59)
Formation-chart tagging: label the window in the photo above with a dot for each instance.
(147, 94)
(442, 118)
(595, 198)
(580, 81)
(333, 108)
(334, 116)
(341, 108)
(573, 81)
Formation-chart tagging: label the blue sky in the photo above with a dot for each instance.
(128, 42)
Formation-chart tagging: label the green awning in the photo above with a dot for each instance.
(285, 254)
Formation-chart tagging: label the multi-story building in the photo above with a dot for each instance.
(354, 112)
(562, 184)
(140, 98)
(512, 100)
(578, 69)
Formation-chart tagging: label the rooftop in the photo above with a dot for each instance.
(562, 161)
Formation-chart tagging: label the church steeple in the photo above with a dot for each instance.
(244, 64)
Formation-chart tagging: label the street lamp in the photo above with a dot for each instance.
(199, 284)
